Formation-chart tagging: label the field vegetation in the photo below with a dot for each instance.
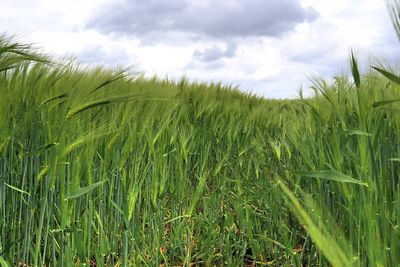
(100, 167)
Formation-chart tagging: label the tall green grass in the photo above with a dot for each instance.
(103, 168)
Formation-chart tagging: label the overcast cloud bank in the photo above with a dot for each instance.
(210, 18)
(267, 47)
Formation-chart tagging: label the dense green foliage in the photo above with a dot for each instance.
(105, 168)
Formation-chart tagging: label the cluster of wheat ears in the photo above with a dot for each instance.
(101, 167)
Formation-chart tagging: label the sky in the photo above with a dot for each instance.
(270, 48)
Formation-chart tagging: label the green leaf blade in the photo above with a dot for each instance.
(355, 71)
(331, 175)
(17, 189)
(392, 77)
(84, 190)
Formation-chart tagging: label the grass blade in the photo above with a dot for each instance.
(17, 189)
(355, 71)
(97, 103)
(325, 241)
(331, 175)
(392, 77)
(84, 190)
(385, 102)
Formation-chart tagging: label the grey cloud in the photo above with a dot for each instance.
(215, 53)
(211, 18)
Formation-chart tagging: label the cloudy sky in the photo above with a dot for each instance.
(268, 47)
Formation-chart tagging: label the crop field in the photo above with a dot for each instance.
(104, 168)
(101, 167)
